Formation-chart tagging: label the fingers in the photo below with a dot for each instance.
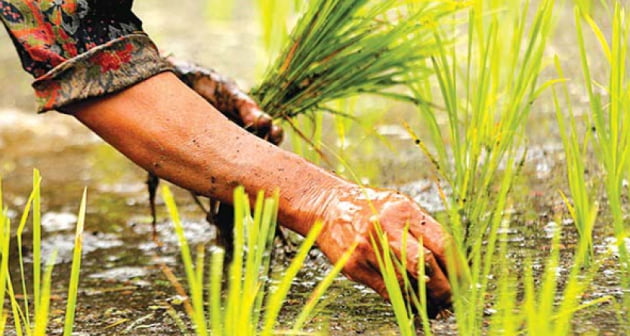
(365, 269)
(261, 124)
(437, 285)
(400, 210)
(363, 273)
(433, 235)
(441, 245)
(276, 135)
(254, 119)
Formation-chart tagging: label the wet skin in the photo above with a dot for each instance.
(172, 132)
(354, 212)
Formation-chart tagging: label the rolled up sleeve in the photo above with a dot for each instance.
(79, 49)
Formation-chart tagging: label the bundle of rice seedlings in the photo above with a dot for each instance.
(340, 49)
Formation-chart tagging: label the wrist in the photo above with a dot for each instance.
(313, 200)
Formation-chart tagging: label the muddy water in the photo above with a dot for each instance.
(123, 290)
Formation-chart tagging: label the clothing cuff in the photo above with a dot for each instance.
(102, 70)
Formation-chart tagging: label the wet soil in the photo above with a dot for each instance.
(123, 290)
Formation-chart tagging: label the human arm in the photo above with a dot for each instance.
(98, 65)
(225, 95)
(169, 130)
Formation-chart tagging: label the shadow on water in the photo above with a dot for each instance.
(123, 290)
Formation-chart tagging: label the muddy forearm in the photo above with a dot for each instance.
(169, 130)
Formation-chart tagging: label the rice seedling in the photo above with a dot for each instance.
(546, 308)
(250, 306)
(500, 299)
(477, 138)
(611, 121)
(582, 207)
(486, 85)
(339, 49)
(35, 322)
(73, 286)
(404, 300)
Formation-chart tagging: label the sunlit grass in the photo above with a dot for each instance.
(582, 207)
(486, 85)
(73, 286)
(549, 302)
(500, 82)
(610, 117)
(340, 49)
(406, 303)
(250, 306)
(26, 321)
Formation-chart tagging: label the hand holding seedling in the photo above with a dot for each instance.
(351, 215)
(175, 134)
(225, 95)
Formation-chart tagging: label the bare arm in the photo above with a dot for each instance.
(225, 95)
(169, 130)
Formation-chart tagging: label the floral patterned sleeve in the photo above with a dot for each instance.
(77, 49)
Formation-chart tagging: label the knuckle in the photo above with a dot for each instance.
(363, 247)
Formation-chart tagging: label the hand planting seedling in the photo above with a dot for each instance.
(114, 81)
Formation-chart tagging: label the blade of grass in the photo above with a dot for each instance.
(17, 314)
(20, 231)
(268, 222)
(37, 239)
(422, 292)
(384, 258)
(42, 315)
(307, 311)
(196, 288)
(214, 293)
(73, 287)
(232, 324)
(276, 298)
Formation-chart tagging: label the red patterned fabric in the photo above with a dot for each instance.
(79, 49)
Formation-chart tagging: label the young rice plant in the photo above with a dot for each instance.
(25, 321)
(250, 306)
